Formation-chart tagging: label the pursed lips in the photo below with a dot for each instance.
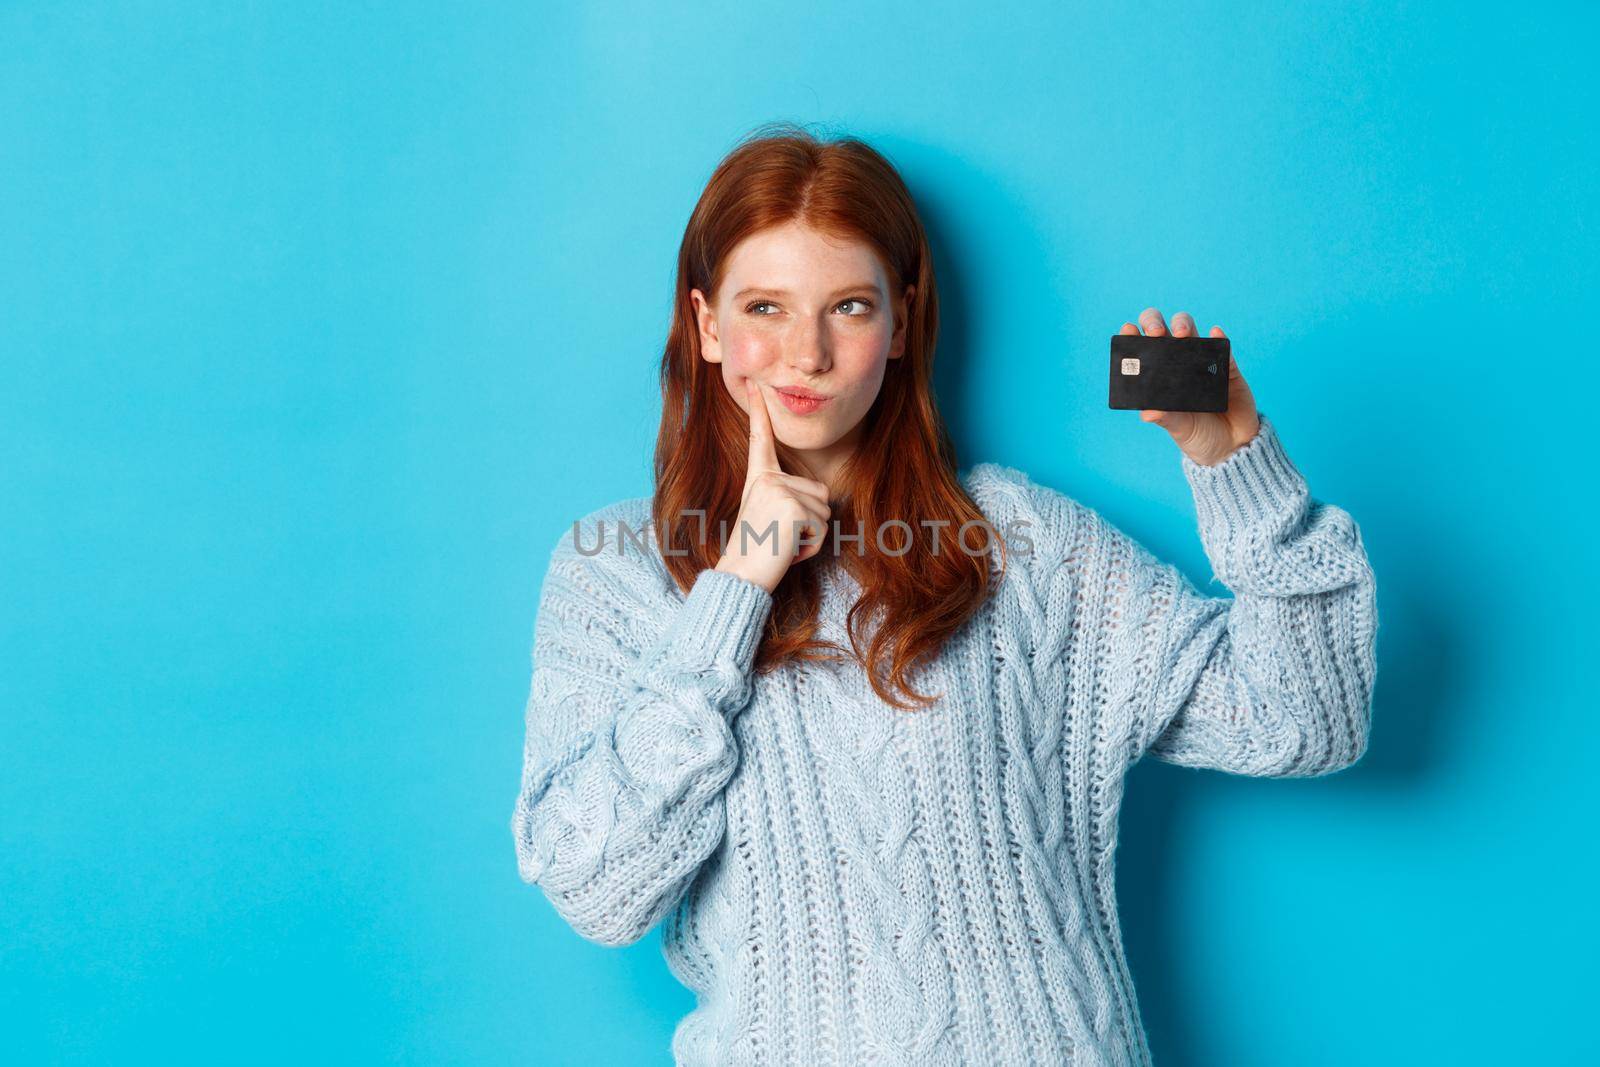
(800, 400)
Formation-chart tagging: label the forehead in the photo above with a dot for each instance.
(795, 256)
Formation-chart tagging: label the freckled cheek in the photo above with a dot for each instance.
(748, 356)
(863, 358)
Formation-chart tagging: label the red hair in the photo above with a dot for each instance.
(904, 467)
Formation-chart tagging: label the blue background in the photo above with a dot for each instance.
(319, 324)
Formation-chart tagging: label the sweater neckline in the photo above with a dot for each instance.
(838, 593)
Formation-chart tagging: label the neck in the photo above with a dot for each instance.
(825, 464)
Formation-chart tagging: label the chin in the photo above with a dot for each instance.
(810, 437)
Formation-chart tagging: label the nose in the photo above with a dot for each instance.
(809, 350)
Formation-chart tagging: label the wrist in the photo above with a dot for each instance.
(727, 565)
(1256, 482)
(1235, 445)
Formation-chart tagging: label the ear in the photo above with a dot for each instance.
(897, 346)
(706, 320)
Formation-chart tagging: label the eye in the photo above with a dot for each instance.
(866, 305)
(750, 308)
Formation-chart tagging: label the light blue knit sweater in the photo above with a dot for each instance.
(843, 882)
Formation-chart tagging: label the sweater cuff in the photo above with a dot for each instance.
(719, 623)
(1256, 482)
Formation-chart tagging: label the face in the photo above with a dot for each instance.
(800, 310)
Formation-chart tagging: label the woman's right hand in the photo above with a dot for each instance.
(779, 507)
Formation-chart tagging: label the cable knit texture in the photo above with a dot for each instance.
(842, 882)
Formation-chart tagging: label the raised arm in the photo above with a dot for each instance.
(1275, 681)
(628, 746)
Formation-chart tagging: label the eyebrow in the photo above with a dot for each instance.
(856, 288)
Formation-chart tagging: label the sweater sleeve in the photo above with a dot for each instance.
(1277, 680)
(628, 746)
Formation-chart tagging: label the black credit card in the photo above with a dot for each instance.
(1167, 373)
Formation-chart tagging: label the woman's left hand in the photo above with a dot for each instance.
(1207, 437)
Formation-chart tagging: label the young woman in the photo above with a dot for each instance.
(856, 725)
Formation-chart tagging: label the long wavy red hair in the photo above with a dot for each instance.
(904, 467)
